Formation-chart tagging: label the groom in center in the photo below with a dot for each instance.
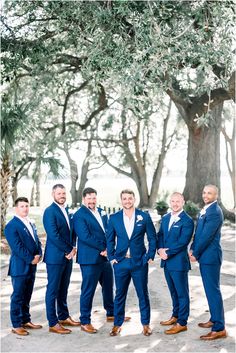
(130, 258)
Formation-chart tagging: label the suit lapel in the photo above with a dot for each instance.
(26, 231)
(166, 225)
(90, 214)
(60, 211)
(136, 222)
(120, 221)
(102, 218)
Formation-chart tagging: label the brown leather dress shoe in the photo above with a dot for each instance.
(88, 328)
(214, 335)
(20, 331)
(207, 324)
(115, 330)
(171, 321)
(32, 326)
(147, 330)
(176, 329)
(111, 318)
(69, 322)
(59, 329)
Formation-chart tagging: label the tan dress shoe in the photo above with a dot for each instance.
(176, 329)
(32, 326)
(171, 321)
(20, 331)
(214, 335)
(112, 318)
(69, 322)
(207, 324)
(115, 330)
(59, 329)
(88, 328)
(147, 330)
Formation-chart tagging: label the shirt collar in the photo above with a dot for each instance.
(176, 214)
(61, 206)
(132, 217)
(209, 204)
(23, 219)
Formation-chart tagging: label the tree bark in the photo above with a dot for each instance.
(84, 173)
(231, 158)
(73, 176)
(203, 159)
(32, 195)
(14, 183)
(5, 186)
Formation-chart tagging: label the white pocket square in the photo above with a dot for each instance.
(175, 226)
(139, 225)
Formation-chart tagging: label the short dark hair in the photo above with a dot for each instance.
(127, 191)
(58, 186)
(88, 190)
(21, 199)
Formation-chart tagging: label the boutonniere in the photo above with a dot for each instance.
(176, 219)
(202, 212)
(103, 213)
(71, 212)
(139, 218)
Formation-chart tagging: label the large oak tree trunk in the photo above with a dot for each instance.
(203, 160)
(5, 186)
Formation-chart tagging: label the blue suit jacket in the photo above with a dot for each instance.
(60, 239)
(91, 236)
(118, 241)
(177, 240)
(206, 243)
(23, 247)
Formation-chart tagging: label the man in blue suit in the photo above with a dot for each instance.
(207, 251)
(58, 256)
(26, 253)
(90, 224)
(175, 233)
(130, 258)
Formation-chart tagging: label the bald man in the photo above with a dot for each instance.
(207, 251)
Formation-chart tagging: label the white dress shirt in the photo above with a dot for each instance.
(98, 217)
(28, 225)
(63, 208)
(129, 226)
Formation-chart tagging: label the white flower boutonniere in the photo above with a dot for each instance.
(176, 219)
(103, 213)
(139, 218)
(202, 212)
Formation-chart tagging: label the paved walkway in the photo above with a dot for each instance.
(131, 339)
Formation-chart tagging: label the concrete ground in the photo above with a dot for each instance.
(131, 339)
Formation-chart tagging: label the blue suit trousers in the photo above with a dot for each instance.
(179, 290)
(91, 275)
(20, 299)
(56, 293)
(124, 271)
(211, 282)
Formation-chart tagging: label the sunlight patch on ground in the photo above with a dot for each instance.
(228, 268)
(151, 270)
(120, 346)
(230, 316)
(4, 333)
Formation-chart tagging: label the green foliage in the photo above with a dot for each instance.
(161, 205)
(192, 209)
